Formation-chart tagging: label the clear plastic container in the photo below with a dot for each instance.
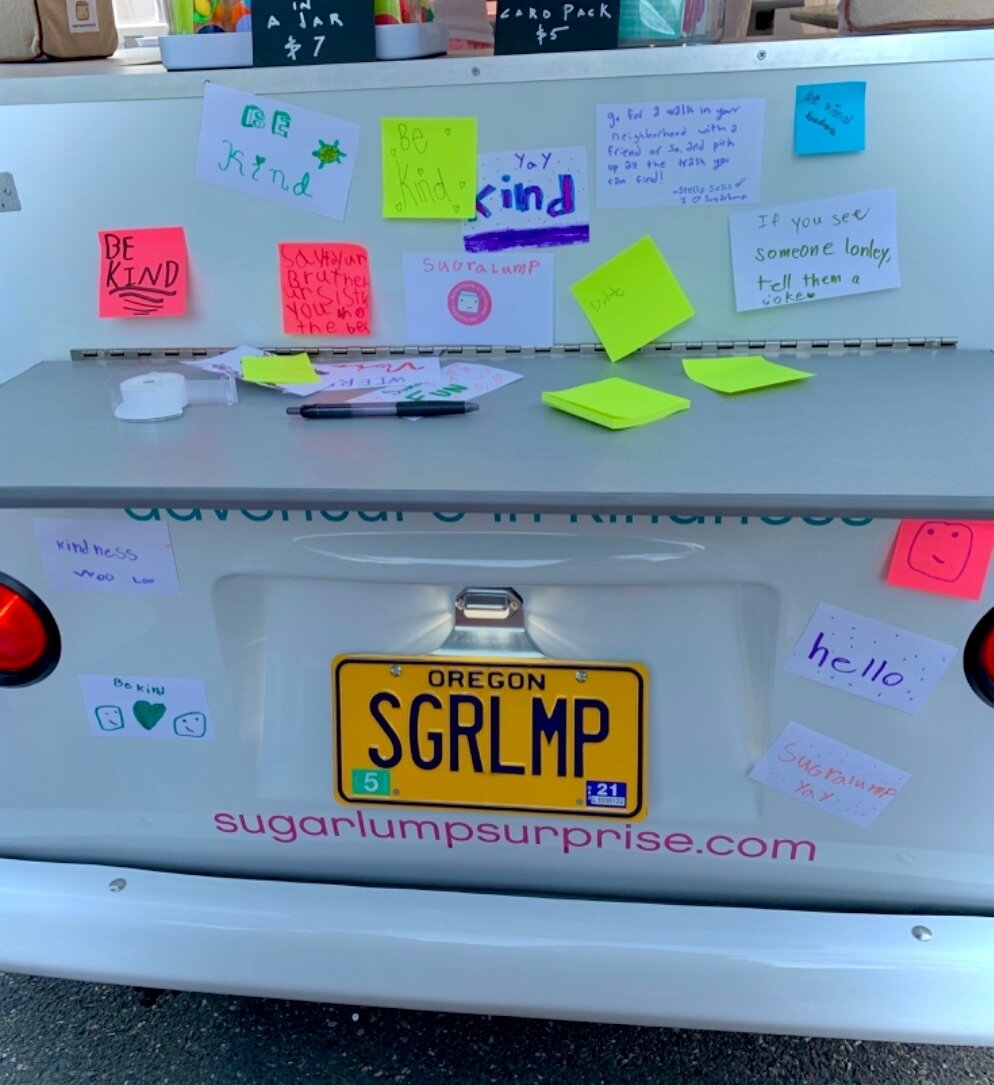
(670, 22)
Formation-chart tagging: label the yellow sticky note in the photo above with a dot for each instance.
(732, 375)
(632, 299)
(429, 167)
(279, 369)
(616, 403)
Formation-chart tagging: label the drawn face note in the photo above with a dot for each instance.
(941, 549)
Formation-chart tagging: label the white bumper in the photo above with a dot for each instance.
(808, 973)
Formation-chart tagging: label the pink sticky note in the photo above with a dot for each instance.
(947, 557)
(143, 272)
(325, 288)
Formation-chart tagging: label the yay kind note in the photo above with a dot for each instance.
(530, 199)
(142, 272)
(275, 150)
(811, 251)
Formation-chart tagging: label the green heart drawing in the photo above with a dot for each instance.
(147, 714)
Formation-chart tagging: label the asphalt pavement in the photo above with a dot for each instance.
(54, 1032)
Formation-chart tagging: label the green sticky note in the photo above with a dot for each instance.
(732, 375)
(429, 167)
(632, 299)
(279, 369)
(616, 403)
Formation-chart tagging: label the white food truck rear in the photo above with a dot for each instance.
(469, 713)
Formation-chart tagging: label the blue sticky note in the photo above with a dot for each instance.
(830, 118)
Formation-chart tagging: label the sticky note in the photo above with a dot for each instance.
(455, 298)
(142, 272)
(823, 772)
(429, 167)
(800, 252)
(280, 369)
(733, 375)
(632, 299)
(829, 118)
(869, 658)
(116, 557)
(687, 152)
(324, 288)
(946, 557)
(276, 150)
(616, 403)
(127, 705)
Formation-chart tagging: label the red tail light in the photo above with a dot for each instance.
(30, 645)
(978, 658)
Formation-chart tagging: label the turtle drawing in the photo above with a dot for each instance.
(328, 154)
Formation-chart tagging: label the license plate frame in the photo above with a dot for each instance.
(359, 680)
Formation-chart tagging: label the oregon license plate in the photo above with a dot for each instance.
(491, 734)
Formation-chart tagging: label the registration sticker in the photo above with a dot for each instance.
(526, 735)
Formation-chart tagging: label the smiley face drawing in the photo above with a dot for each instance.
(190, 725)
(941, 549)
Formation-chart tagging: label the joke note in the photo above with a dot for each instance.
(632, 299)
(830, 118)
(275, 150)
(429, 167)
(142, 272)
(945, 557)
(530, 200)
(658, 154)
(828, 774)
(461, 380)
(129, 706)
(811, 251)
(479, 301)
(325, 289)
(113, 556)
(871, 659)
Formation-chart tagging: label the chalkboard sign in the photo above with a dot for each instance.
(524, 26)
(286, 33)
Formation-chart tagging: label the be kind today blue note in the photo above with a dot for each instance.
(830, 118)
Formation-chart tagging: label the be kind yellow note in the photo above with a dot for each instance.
(632, 299)
(429, 167)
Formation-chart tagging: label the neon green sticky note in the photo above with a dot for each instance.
(280, 369)
(616, 403)
(732, 375)
(632, 299)
(429, 167)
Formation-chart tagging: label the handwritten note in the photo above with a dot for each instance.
(744, 374)
(142, 272)
(288, 33)
(325, 289)
(275, 150)
(134, 706)
(530, 199)
(461, 380)
(429, 167)
(811, 251)
(111, 556)
(946, 557)
(556, 26)
(632, 299)
(871, 659)
(830, 118)
(822, 772)
(615, 403)
(679, 153)
(479, 300)
(280, 369)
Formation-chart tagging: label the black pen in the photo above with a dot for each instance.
(374, 410)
